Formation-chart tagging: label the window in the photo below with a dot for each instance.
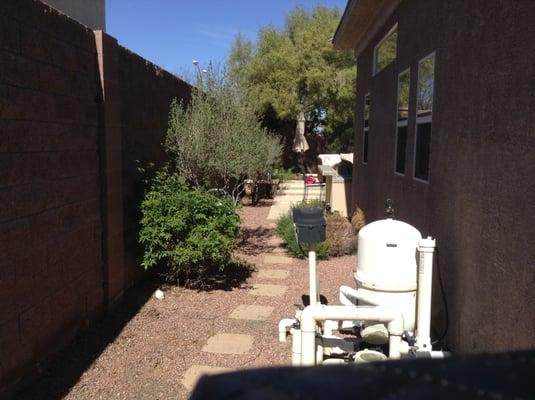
(402, 121)
(386, 50)
(365, 136)
(424, 117)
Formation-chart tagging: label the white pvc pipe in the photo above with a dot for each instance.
(284, 326)
(426, 247)
(312, 276)
(348, 296)
(318, 312)
(334, 361)
(439, 354)
(329, 327)
(296, 347)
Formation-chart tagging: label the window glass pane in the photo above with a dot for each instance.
(426, 80)
(401, 146)
(386, 52)
(403, 96)
(423, 142)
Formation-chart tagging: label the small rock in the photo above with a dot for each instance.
(159, 294)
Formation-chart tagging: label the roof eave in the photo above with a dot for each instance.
(361, 21)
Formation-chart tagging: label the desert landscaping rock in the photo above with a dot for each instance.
(273, 274)
(252, 312)
(194, 373)
(261, 289)
(229, 343)
(159, 342)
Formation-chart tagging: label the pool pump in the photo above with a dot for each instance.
(388, 313)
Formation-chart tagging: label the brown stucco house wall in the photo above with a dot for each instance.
(480, 196)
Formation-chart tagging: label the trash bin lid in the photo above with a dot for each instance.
(308, 216)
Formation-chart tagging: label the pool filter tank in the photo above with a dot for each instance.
(386, 272)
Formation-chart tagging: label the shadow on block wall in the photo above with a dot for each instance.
(54, 379)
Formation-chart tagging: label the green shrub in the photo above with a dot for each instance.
(183, 230)
(282, 174)
(286, 231)
(217, 138)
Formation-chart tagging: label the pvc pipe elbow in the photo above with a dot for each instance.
(310, 315)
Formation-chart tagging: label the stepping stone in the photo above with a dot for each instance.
(275, 241)
(279, 250)
(228, 343)
(273, 274)
(192, 375)
(252, 312)
(269, 259)
(261, 289)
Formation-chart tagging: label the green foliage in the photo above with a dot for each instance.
(296, 70)
(282, 174)
(286, 231)
(185, 230)
(217, 140)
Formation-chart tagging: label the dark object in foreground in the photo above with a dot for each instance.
(489, 376)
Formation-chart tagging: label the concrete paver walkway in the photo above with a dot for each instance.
(291, 192)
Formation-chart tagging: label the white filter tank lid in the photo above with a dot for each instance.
(386, 259)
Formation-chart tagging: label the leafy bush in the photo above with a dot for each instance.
(183, 230)
(286, 231)
(282, 174)
(217, 139)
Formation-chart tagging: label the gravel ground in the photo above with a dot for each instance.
(142, 349)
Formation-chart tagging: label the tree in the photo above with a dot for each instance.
(297, 72)
(217, 139)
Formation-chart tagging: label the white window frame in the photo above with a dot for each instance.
(423, 119)
(391, 31)
(401, 123)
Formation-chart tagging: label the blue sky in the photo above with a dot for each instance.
(171, 33)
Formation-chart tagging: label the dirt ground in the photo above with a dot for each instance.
(143, 348)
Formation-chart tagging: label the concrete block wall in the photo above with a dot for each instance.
(145, 94)
(67, 118)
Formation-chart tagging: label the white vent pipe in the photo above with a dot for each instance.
(296, 347)
(426, 247)
(312, 276)
(318, 312)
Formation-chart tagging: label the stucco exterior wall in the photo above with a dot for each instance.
(479, 200)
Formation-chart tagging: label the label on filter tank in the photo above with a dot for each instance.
(391, 245)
